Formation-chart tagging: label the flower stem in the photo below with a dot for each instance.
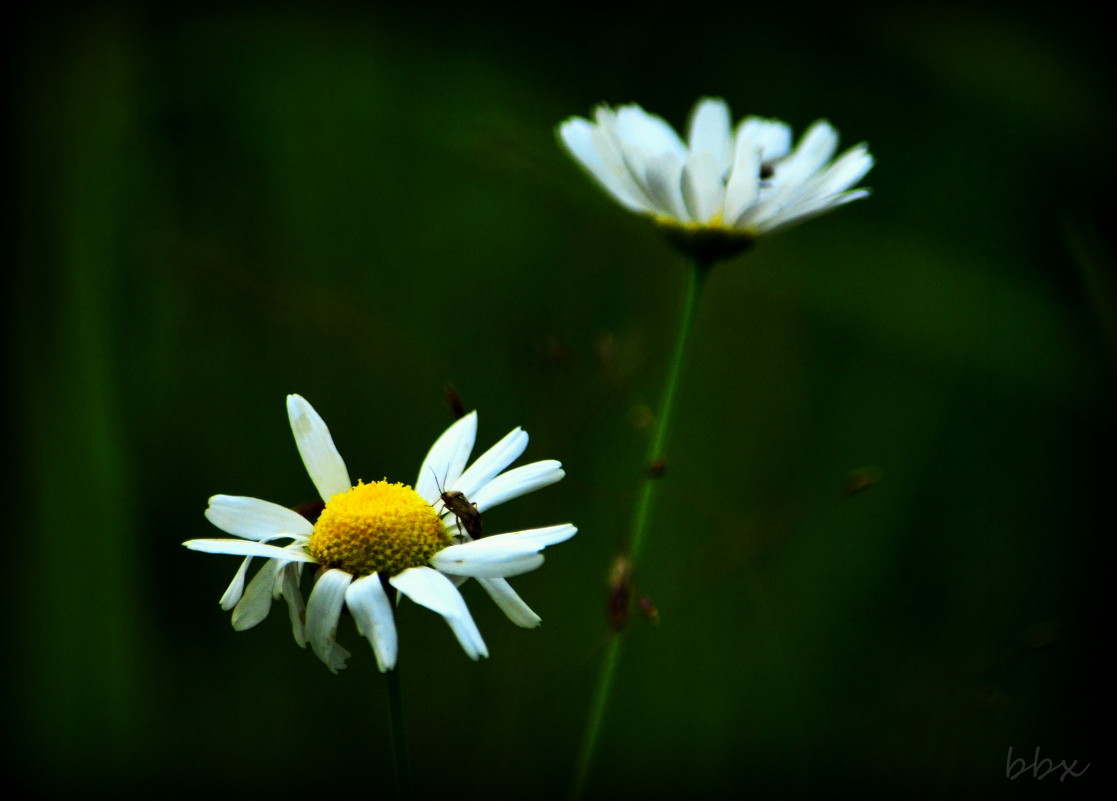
(399, 737)
(696, 277)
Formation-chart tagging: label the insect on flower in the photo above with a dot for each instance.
(464, 511)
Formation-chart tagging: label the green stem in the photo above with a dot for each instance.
(696, 277)
(596, 716)
(399, 737)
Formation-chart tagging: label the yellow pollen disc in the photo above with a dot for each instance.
(377, 528)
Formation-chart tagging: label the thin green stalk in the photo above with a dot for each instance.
(399, 737)
(696, 277)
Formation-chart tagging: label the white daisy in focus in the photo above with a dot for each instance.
(372, 541)
(720, 189)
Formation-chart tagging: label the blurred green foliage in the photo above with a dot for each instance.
(877, 552)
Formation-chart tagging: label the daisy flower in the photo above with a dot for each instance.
(720, 187)
(372, 541)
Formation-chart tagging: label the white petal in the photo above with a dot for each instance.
(804, 211)
(491, 462)
(465, 629)
(816, 147)
(651, 152)
(372, 612)
(316, 446)
(576, 134)
(628, 162)
(428, 588)
(702, 186)
(254, 519)
(662, 181)
(537, 538)
(847, 170)
(502, 555)
(256, 603)
(322, 613)
(486, 562)
(517, 482)
(814, 150)
(431, 589)
(287, 585)
(235, 589)
(821, 192)
(709, 132)
(791, 183)
(294, 553)
(446, 458)
(599, 157)
(648, 134)
(492, 558)
(509, 602)
(771, 138)
(743, 187)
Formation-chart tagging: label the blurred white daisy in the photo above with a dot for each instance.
(721, 185)
(371, 541)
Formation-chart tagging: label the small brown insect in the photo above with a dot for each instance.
(465, 512)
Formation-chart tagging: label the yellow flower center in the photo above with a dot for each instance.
(377, 528)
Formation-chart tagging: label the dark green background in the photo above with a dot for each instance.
(363, 205)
